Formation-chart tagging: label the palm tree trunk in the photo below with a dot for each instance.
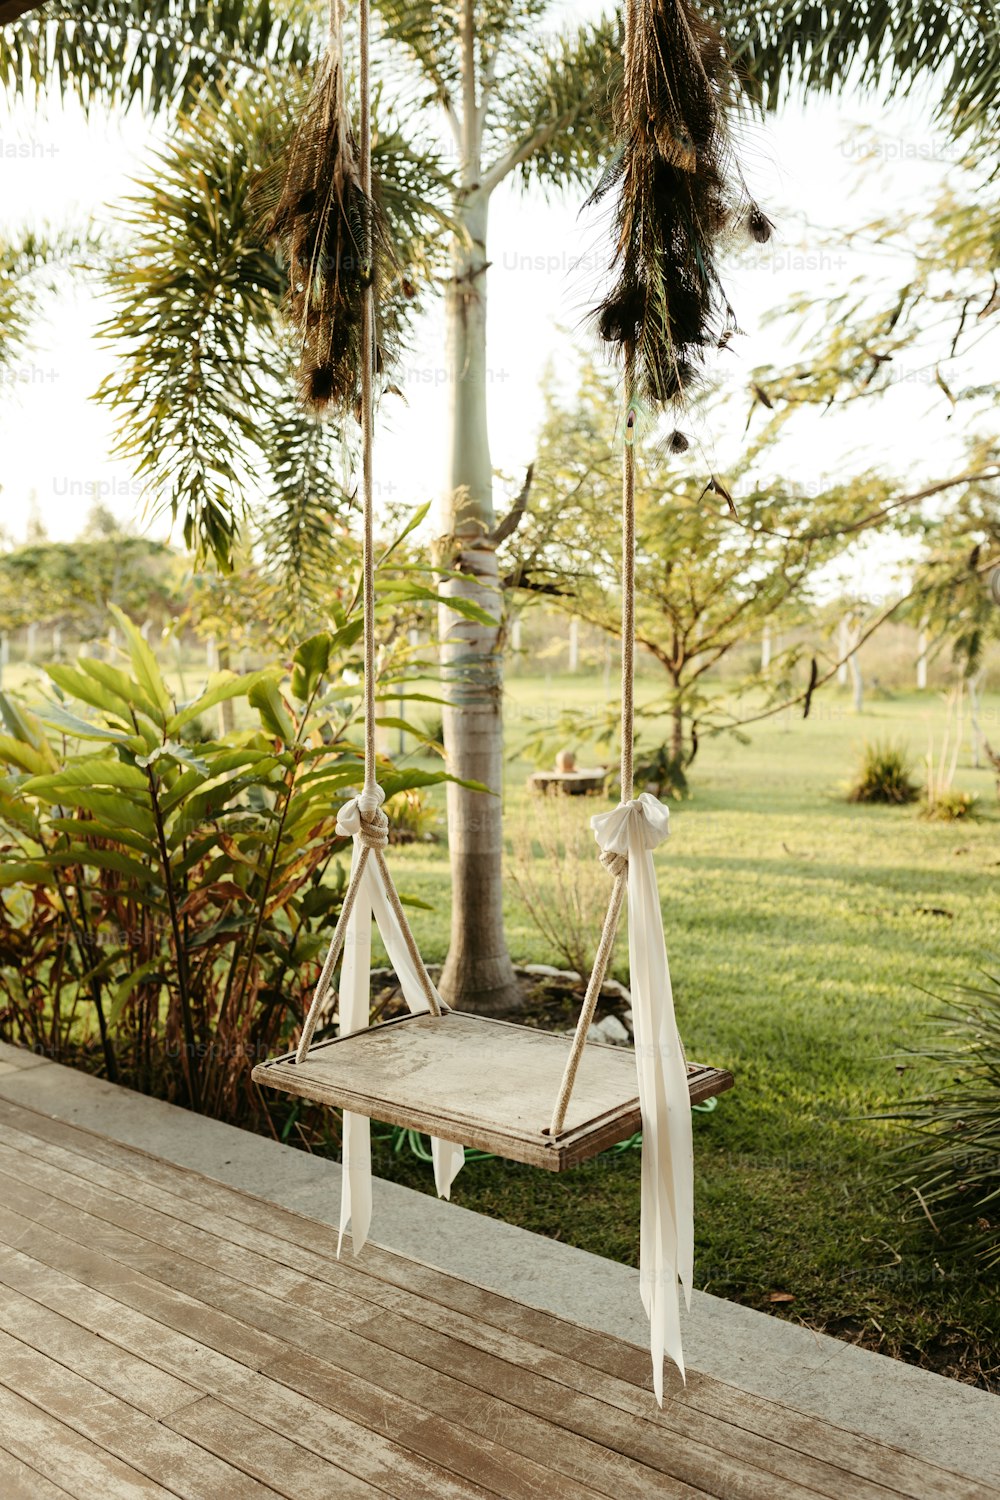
(478, 973)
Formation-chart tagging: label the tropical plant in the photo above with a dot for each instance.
(884, 774)
(166, 904)
(951, 1165)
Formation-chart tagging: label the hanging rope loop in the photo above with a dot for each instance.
(363, 818)
(615, 864)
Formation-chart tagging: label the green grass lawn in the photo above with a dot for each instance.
(804, 935)
(806, 938)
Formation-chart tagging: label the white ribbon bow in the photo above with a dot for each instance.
(355, 1006)
(666, 1232)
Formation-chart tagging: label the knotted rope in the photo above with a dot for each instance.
(362, 818)
(616, 864)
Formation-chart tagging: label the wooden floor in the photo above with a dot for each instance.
(163, 1335)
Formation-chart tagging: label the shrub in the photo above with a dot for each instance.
(952, 1166)
(657, 771)
(554, 866)
(883, 775)
(164, 907)
(950, 806)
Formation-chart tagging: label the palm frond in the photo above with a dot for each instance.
(885, 44)
(551, 113)
(164, 56)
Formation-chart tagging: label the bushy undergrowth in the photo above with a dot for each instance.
(884, 774)
(164, 905)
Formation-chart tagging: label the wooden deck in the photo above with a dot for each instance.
(164, 1335)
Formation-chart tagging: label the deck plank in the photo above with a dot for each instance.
(301, 1348)
(213, 1307)
(701, 1451)
(113, 1330)
(488, 1358)
(67, 1458)
(21, 1481)
(146, 1445)
(912, 1476)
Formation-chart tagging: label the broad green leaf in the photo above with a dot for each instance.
(412, 779)
(114, 808)
(403, 591)
(19, 753)
(129, 693)
(175, 752)
(221, 687)
(82, 830)
(144, 665)
(408, 728)
(310, 664)
(86, 729)
(94, 772)
(25, 872)
(79, 685)
(24, 726)
(266, 699)
(104, 859)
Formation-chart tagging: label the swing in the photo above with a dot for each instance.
(550, 1101)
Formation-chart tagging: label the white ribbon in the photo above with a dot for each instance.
(355, 1006)
(666, 1232)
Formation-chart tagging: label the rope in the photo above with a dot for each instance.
(373, 830)
(615, 864)
(367, 424)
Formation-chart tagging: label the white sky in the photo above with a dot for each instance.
(55, 442)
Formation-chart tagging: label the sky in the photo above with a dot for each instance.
(819, 168)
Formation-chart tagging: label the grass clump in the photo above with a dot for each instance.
(953, 1162)
(884, 775)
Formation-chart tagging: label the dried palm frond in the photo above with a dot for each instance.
(680, 196)
(329, 235)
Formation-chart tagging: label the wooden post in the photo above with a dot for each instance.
(765, 648)
(922, 661)
(574, 644)
(30, 641)
(842, 650)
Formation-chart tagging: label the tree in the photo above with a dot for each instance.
(201, 290)
(711, 571)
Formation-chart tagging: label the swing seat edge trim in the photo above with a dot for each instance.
(481, 1082)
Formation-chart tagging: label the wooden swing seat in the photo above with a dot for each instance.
(484, 1083)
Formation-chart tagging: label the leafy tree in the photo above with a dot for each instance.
(72, 583)
(927, 327)
(716, 560)
(890, 45)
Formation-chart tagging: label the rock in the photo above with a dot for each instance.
(612, 1030)
(618, 991)
(546, 971)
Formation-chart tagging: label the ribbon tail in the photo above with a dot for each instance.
(355, 1009)
(449, 1157)
(666, 1242)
